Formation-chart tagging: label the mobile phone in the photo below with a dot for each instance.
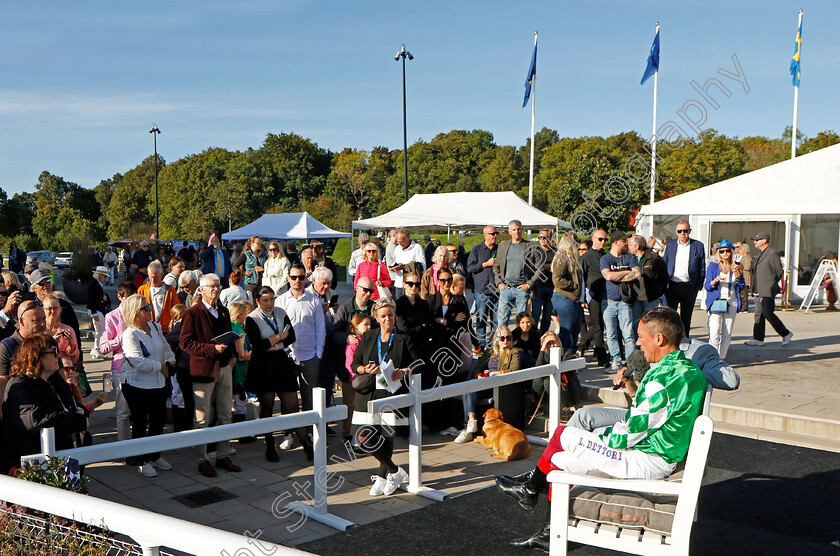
(334, 301)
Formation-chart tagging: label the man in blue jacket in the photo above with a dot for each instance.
(215, 260)
(686, 260)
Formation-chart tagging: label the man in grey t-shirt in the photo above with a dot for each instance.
(509, 275)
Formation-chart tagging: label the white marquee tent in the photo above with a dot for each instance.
(797, 201)
(289, 225)
(462, 211)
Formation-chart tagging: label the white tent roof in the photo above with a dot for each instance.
(289, 225)
(808, 184)
(462, 210)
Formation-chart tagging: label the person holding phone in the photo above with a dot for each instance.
(724, 282)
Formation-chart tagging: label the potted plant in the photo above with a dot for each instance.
(80, 272)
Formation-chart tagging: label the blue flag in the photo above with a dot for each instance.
(532, 73)
(794, 63)
(653, 59)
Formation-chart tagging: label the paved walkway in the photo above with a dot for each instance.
(782, 388)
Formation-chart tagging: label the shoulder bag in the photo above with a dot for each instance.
(384, 293)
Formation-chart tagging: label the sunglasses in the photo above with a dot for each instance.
(724, 250)
(297, 276)
(371, 250)
(599, 239)
(505, 338)
(545, 238)
(445, 280)
(52, 350)
(412, 284)
(146, 308)
(491, 233)
(452, 250)
(272, 249)
(683, 231)
(582, 249)
(369, 290)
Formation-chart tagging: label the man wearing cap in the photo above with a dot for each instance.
(686, 260)
(97, 306)
(142, 257)
(618, 267)
(358, 255)
(216, 261)
(40, 285)
(767, 271)
(32, 320)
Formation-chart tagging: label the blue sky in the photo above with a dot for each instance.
(83, 81)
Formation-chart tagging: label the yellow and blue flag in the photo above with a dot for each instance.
(794, 63)
(532, 73)
(653, 59)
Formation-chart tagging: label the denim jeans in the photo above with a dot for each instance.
(541, 303)
(570, 315)
(485, 304)
(618, 318)
(640, 308)
(510, 299)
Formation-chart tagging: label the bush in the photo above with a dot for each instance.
(84, 261)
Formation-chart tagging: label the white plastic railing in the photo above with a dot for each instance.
(150, 530)
(317, 418)
(415, 399)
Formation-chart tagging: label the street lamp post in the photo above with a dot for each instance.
(403, 53)
(155, 132)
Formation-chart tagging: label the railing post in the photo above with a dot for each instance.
(151, 551)
(554, 390)
(319, 441)
(48, 441)
(415, 437)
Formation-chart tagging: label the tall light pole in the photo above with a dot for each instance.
(155, 132)
(403, 53)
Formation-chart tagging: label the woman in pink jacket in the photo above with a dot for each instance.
(373, 269)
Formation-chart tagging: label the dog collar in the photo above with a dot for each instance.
(493, 419)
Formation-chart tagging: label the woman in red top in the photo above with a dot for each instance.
(373, 269)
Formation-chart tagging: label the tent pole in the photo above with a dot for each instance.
(447, 233)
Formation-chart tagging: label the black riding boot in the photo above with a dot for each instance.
(541, 539)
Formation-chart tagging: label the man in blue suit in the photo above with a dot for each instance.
(686, 260)
(215, 260)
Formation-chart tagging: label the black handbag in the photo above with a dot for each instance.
(364, 383)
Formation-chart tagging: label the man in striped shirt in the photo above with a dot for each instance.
(654, 434)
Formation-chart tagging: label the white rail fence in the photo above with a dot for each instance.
(318, 418)
(150, 530)
(415, 399)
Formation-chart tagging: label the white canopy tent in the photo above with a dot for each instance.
(285, 226)
(462, 211)
(797, 201)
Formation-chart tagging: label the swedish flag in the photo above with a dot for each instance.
(794, 63)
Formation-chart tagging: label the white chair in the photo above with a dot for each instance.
(678, 493)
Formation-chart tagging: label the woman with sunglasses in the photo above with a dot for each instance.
(32, 402)
(276, 274)
(414, 316)
(373, 269)
(501, 358)
(724, 282)
(429, 281)
(148, 363)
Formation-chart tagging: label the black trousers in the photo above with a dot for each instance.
(765, 311)
(684, 295)
(594, 332)
(148, 412)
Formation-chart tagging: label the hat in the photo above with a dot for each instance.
(427, 237)
(38, 276)
(616, 236)
(761, 235)
(103, 270)
(724, 244)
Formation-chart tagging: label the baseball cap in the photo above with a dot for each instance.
(38, 276)
(761, 235)
(616, 236)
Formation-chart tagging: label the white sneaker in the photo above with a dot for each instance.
(378, 488)
(162, 464)
(472, 426)
(754, 342)
(451, 431)
(287, 442)
(147, 470)
(786, 340)
(232, 449)
(464, 436)
(394, 480)
(615, 366)
(97, 355)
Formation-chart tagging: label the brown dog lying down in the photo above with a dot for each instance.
(506, 441)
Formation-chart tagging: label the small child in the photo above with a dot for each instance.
(238, 312)
(359, 324)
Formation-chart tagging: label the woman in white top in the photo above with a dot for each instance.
(235, 292)
(146, 364)
(276, 273)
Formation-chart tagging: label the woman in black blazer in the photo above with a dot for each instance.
(375, 348)
(414, 316)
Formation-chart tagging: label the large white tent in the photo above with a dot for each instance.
(461, 211)
(288, 225)
(797, 201)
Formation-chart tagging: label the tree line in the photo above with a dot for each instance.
(219, 189)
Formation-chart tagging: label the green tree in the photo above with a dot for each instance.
(298, 166)
(762, 152)
(708, 158)
(822, 140)
(103, 193)
(64, 210)
(505, 172)
(133, 200)
(17, 214)
(332, 212)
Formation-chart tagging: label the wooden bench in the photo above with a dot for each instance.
(610, 530)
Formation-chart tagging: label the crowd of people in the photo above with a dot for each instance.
(223, 328)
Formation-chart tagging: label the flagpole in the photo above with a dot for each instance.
(533, 111)
(796, 97)
(653, 137)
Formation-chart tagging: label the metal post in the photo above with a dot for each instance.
(155, 131)
(405, 138)
(415, 437)
(319, 441)
(554, 388)
(48, 441)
